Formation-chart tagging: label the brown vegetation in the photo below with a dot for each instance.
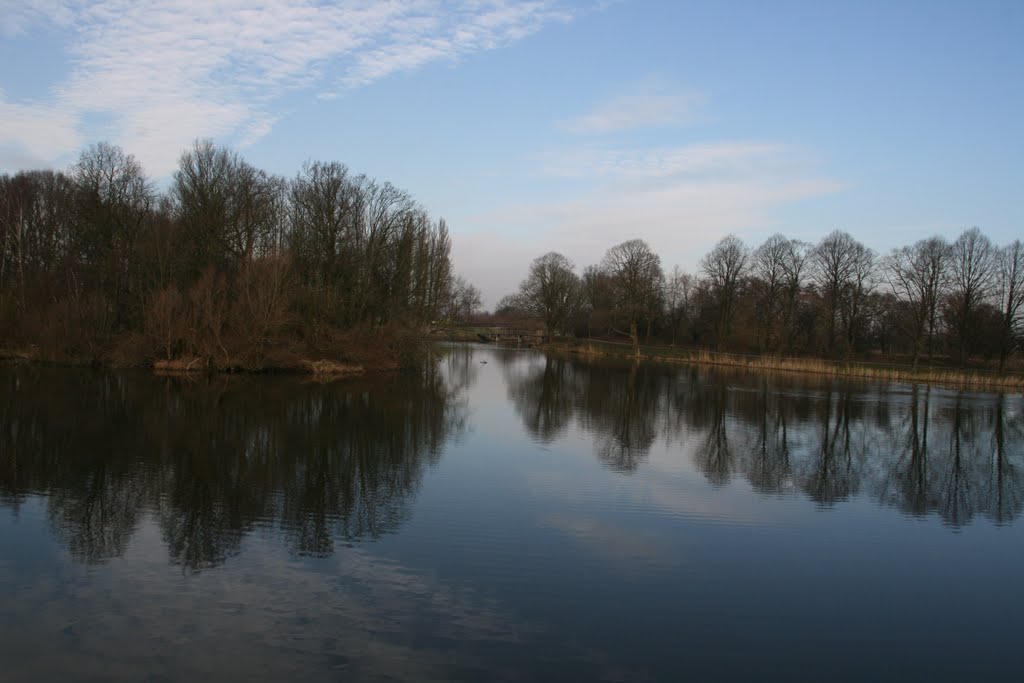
(951, 376)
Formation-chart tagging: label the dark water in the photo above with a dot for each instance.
(507, 517)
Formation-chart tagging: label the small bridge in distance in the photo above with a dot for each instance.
(492, 335)
(509, 334)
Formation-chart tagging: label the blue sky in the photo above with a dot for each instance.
(547, 124)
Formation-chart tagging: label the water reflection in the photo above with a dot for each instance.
(924, 450)
(213, 459)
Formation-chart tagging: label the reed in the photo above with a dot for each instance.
(958, 377)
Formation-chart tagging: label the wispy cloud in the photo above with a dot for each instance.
(174, 70)
(649, 104)
(702, 160)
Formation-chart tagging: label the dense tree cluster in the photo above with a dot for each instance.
(836, 298)
(229, 264)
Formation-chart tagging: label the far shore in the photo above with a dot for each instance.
(870, 371)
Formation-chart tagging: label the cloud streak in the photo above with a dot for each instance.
(647, 106)
(171, 71)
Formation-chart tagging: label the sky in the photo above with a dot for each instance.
(557, 125)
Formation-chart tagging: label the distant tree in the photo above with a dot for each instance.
(551, 291)
(794, 273)
(724, 267)
(680, 299)
(917, 276)
(972, 265)
(840, 268)
(465, 300)
(597, 299)
(37, 239)
(767, 286)
(636, 283)
(1011, 295)
(856, 311)
(113, 201)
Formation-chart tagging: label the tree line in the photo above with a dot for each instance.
(931, 300)
(230, 265)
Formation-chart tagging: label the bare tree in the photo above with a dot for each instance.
(114, 199)
(725, 267)
(551, 291)
(971, 277)
(636, 280)
(768, 286)
(597, 298)
(464, 301)
(1011, 294)
(833, 263)
(858, 289)
(794, 269)
(917, 276)
(680, 289)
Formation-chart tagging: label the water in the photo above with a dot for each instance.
(507, 517)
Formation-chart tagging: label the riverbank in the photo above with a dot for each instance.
(337, 353)
(958, 377)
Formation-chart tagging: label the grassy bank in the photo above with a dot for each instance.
(958, 377)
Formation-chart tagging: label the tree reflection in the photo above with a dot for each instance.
(766, 458)
(829, 475)
(213, 459)
(619, 404)
(713, 456)
(1005, 466)
(958, 455)
(622, 409)
(544, 396)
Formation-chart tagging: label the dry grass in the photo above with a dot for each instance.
(330, 368)
(19, 354)
(963, 378)
(191, 364)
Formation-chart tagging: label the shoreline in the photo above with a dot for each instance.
(350, 362)
(955, 377)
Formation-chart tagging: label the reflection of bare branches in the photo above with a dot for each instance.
(544, 396)
(217, 457)
(1006, 470)
(832, 476)
(766, 460)
(715, 460)
(623, 411)
(909, 472)
(956, 487)
(98, 519)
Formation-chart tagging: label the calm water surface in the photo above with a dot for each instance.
(507, 517)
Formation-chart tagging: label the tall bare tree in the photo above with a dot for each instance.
(768, 287)
(680, 297)
(1011, 295)
(855, 297)
(917, 276)
(972, 270)
(551, 291)
(114, 199)
(794, 274)
(636, 279)
(834, 266)
(725, 267)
